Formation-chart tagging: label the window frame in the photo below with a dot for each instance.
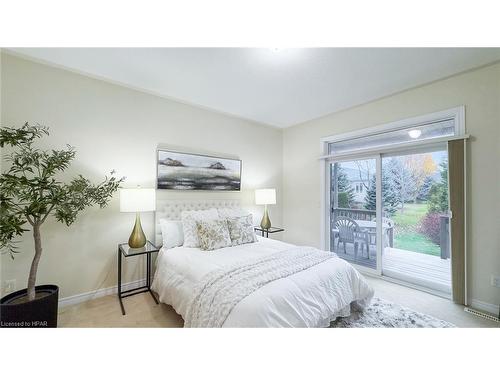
(456, 113)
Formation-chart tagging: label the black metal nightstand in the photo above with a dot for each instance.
(267, 231)
(124, 250)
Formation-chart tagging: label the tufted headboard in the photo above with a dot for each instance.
(171, 210)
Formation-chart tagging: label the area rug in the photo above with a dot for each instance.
(385, 314)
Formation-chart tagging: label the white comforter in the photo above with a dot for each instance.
(309, 298)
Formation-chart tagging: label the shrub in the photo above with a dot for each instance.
(344, 200)
(430, 227)
(438, 193)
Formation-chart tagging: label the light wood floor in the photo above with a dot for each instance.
(143, 312)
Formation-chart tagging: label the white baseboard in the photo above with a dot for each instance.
(483, 306)
(87, 296)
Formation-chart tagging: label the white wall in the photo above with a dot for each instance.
(479, 91)
(113, 127)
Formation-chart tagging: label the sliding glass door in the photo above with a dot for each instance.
(389, 215)
(415, 227)
(387, 197)
(353, 211)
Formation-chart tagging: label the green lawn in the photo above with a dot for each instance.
(411, 215)
(406, 235)
(416, 242)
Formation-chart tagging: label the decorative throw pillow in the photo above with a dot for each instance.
(189, 219)
(171, 233)
(241, 230)
(213, 234)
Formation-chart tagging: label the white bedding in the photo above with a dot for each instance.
(309, 298)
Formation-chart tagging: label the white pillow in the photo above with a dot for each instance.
(189, 219)
(171, 233)
(225, 213)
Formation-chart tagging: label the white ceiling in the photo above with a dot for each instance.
(280, 87)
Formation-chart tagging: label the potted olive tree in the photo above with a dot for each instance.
(31, 191)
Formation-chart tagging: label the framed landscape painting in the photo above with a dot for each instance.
(182, 171)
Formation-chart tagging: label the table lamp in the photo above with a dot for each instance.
(265, 197)
(137, 200)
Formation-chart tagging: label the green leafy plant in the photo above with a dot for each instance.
(31, 190)
(389, 197)
(438, 194)
(346, 191)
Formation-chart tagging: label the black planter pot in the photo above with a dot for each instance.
(40, 313)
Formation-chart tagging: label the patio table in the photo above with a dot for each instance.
(372, 226)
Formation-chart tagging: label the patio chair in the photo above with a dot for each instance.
(350, 232)
(386, 222)
(389, 222)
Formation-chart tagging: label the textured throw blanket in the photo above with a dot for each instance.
(221, 290)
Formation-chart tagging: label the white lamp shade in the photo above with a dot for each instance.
(265, 196)
(137, 200)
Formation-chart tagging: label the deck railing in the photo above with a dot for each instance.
(359, 214)
(354, 213)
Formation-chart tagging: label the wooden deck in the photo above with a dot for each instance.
(361, 259)
(426, 270)
(421, 269)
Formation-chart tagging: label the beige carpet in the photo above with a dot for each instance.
(143, 312)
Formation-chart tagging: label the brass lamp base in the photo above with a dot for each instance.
(265, 223)
(137, 238)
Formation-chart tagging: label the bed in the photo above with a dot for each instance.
(267, 283)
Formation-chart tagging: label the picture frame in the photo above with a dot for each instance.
(184, 171)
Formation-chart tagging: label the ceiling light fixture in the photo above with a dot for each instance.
(415, 133)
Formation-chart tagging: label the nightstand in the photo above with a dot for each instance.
(124, 250)
(267, 231)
